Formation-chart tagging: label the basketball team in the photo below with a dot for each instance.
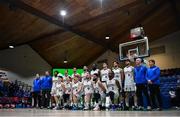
(130, 88)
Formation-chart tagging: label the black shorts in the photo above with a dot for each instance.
(66, 97)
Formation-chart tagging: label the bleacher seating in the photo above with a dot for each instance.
(14, 95)
(166, 84)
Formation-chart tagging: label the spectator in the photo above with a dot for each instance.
(173, 97)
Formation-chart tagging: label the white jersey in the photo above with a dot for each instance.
(88, 86)
(129, 84)
(74, 75)
(60, 75)
(65, 78)
(104, 74)
(83, 75)
(117, 74)
(68, 87)
(111, 85)
(53, 89)
(59, 89)
(94, 72)
(75, 87)
(97, 88)
(54, 79)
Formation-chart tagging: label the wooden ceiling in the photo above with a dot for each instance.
(81, 37)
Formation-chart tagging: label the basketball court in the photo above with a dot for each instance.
(81, 58)
(52, 113)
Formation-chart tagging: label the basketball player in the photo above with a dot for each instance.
(83, 78)
(60, 88)
(67, 93)
(129, 85)
(104, 72)
(83, 75)
(113, 90)
(66, 75)
(94, 69)
(118, 72)
(76, 93)
(99, 92)
(53, 89)
(75, 72)
(88, 91)
(141, 83)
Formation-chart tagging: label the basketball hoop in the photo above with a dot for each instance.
(131, 57)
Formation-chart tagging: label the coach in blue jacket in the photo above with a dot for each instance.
(141, 83)
(152, 76)
(46, 85)
(36, 91)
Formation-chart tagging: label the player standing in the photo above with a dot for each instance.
(129, 85)
(88, 91)
(94, 69)
(104, 72)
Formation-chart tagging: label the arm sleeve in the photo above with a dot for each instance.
(156, 75)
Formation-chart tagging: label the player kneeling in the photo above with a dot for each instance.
(76, 93)
(113, 91)
(99, 91)
(67, 93)
(59, 93)
(88, 91)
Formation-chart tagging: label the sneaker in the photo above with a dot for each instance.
(55, 108)
(48, 107)
(134, 108)
(96, 108)
(126, 108)
(74, 108)
(159, 109)
(148, 108)
(86, 108)
(113, 108)
(140, 108)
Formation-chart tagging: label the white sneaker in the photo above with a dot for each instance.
(148, 108)
(96, 108)
(86, 108)
(55, 108)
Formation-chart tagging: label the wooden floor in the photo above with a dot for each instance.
(60, 113)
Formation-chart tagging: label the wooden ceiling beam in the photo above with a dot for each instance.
(20, 4)
(108, 13)
(175, 11)
(137, 22)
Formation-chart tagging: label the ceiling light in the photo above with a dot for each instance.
(11, 46)
(65, 61)
(63, 12)
(107, 37)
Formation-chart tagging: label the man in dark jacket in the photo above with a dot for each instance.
(152, 76)
(46, 85)
(36, 91)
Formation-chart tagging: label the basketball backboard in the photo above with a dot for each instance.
(134, 49)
